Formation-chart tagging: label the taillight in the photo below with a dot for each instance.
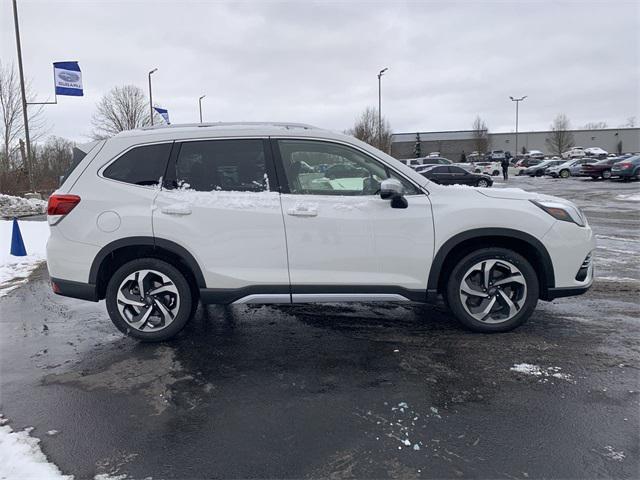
(62, 204)
(625, 165)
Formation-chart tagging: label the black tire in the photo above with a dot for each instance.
(565, 173)
(606, 174)
(184, 295)
(594, 177)
(482, 183)
(530, 299)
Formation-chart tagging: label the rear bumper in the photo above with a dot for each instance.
(68, 288)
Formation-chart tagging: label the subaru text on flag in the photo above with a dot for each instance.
(156, 219)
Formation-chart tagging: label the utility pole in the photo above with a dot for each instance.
(200, 105)
(380, 106)
(150, 95)
(517, 100)
(25, 115)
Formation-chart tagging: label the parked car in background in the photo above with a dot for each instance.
(596, 152)
(627, 169)
(488, 168)
(537, 154)
(539, 169)
(430, 160)
(599, 169)
(452, 174)
(497, 155)
(569, 168)
(574, 152)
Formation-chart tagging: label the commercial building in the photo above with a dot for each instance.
(452, 144)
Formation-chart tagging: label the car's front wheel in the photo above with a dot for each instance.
(606, 174)
(483, 183)
(565, 173)
(492, 290)
(149, 299)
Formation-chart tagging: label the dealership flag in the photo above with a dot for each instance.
(68, 78)
(164, 113)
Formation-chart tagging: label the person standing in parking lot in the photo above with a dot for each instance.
(505, 168)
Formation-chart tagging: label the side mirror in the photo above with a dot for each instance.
(392, 189)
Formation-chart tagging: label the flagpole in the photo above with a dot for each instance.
(151, 96)
(25, 115)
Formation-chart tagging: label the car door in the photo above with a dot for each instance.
(217, 203)
(342, 237)
(460, 176)
(440, 175)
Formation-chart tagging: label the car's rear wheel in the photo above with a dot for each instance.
(483, 183)
(492, 290)
(149, 299)
(565, 173)
(606, 174)
(496, 173)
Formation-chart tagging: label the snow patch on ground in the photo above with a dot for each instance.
(22, 459)
(11, 206)
(14, 271)
(543, 373)
(613, 454)
(632, 197)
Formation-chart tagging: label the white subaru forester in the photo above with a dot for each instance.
(154, 220)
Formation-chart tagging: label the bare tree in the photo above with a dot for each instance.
(367, 129)
(122, 108)
(12, 120)
(595, 125)
(561, 138)
(631, 122)
(480, 135)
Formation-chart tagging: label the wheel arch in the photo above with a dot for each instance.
(118, 252)
(461, 244)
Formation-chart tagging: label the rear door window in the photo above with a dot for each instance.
(143, 165)
(222, 165)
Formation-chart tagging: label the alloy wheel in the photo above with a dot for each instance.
(493, 291)
(564, 173)
(606, 174)
(483, 183)
(148, 300)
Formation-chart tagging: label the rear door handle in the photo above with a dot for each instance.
(176, 210)
(303, 211)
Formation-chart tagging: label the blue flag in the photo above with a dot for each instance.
(68, 78)
(164, 113)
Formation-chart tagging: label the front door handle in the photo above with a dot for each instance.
(303, 211)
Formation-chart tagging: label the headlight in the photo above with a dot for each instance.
(561, 211)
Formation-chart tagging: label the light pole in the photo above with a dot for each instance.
(151, 95)
(380, 106)
(517, 100)
(200, 105)
(25, 115)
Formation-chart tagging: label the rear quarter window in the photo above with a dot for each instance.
(143, 165)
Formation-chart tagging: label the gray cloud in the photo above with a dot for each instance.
(316, 62)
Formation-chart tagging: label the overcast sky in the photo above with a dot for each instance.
(317, 62)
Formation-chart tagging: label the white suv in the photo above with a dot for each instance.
(155, 220)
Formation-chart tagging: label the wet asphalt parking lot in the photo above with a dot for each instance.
(355, 391)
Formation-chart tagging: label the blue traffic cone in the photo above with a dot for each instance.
(17, 245)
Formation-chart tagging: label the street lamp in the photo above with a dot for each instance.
(151, 95)
(200, 105)
(517, 100)
(380, 105)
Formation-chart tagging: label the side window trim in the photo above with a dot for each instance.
(284, 181)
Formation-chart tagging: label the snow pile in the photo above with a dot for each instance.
(618, 456)
(11, 206)
(543, 373)
(21, 457)
(632, 197)
(15, 270)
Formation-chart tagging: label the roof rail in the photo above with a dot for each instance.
(225, 124)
